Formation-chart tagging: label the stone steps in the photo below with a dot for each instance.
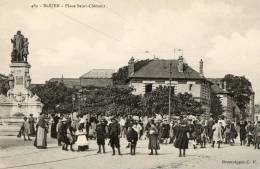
(9, 130)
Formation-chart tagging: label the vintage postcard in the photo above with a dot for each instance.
(129, 84)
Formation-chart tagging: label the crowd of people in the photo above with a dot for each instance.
(179, 131)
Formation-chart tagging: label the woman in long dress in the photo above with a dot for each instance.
(217, 133)
(41, 133)
(32, 123)
(242, 132)
(182, 137)
(153, 134)
(54, 122)
(257, 135)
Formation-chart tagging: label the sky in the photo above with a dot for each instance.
(72, 41)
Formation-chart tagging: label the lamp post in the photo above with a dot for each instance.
(80, 99)
(73, 104)
(170, 90)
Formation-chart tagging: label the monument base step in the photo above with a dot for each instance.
(9, 130)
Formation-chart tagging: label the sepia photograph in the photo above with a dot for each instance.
(129, 84)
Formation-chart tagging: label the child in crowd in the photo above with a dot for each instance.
(25, 129)
(82, 141)
(101, 131)
(67, 134)
(133, 137)
(204, 136)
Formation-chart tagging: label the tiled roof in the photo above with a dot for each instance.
(218, 90)
(160, 69)
(99, 73)
(215, 87)
(215, 80)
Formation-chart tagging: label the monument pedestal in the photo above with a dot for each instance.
(20, 101)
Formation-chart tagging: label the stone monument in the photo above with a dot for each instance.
(20, 101)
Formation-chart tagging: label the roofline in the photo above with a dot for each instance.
(202, 78)
(162, 78)
(96, 78)
(63, 78)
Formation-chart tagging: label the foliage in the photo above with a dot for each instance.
(216, 106)
(55, 96)
(157, 101)
(241, 88)
(112, 101)
(121, 76)
(4, 87)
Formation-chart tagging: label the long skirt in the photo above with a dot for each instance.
(32, 130)
(242, 134)
(153, 142)
(41, 138)
(82, 140)
(53, 131)
(181, 142)
(114, 141)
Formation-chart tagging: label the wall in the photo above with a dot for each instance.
(5, 110)
(98, 82)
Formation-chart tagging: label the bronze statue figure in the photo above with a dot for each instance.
(20, 48)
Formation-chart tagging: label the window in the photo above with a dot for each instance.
(190, 87)
(148, 88)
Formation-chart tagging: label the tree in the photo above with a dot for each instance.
(157, 102)
(121, 76)
(240, 87)
(55, 96)
(112, 101)
(185, 104)
(216, 106)
(4, 87)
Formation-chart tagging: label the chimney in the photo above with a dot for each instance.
(131, 67)
(180, 64)
(201, 68)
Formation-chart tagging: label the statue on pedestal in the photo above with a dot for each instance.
(27, 82)
(11, 81)
(20, 48)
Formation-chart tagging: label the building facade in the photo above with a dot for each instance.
(257, 112)
(69, 82)
(158, 72)
(231, 110)
(97, 78)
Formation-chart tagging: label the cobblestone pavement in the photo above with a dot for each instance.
(15, 153)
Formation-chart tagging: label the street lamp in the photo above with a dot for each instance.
(73, 104)
(170, 90)
(80, 98)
